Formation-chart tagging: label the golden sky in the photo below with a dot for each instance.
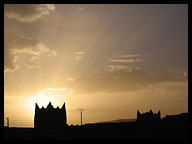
(110, 60)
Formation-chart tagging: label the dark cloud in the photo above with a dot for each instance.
(125, 60)
(121, 81)
(27, 12)
(15, 44)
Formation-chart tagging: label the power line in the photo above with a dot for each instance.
(7, 121)
(81, 110)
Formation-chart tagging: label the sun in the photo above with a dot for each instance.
(57, 96)
(54, 95)
(41, 99)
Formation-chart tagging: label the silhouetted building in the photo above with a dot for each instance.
(49, 117)
(179, 117)
(176, 120)
(148, 117)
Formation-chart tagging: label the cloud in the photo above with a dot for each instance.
(113, 68)
(36, 49)
(125, 60)
(9, 61)
(52, 53)
(33, 67)
(128, 56)
(80, 53)
(27, 12)
(15, 45)
(118, 67)
(71, 78)
(121, 81)
(33, 58)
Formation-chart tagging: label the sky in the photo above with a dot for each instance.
(110, 60)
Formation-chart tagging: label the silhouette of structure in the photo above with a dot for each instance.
(81, 110)
(7, 121)
(148, 117)
(176, 120)
(180, 117)
(49, 117)
(171, 127)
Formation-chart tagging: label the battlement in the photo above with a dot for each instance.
(49, 107)
(148, 116)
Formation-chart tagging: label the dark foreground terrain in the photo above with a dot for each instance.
(170, 127)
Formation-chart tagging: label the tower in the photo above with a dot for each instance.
(50, 117)
(148, 116)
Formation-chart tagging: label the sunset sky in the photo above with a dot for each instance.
(110, 60)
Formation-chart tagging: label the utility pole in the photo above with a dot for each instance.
(7, 121)
(81, 110)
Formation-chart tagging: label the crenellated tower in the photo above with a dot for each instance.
(148, 116)
(50, 117)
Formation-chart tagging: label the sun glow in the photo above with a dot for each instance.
(54, 95)
(41, 99)
(57, 96)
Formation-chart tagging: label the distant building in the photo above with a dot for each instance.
(148, 117)
(49, 117)
(182, 116)
(176, 120)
